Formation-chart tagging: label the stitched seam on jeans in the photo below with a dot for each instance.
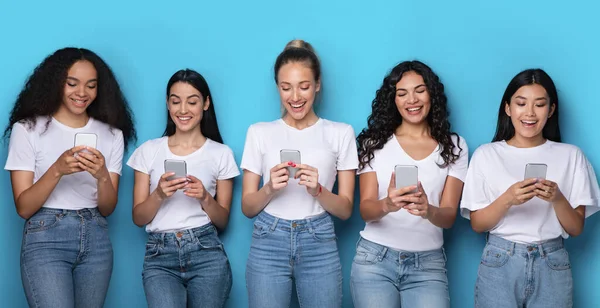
(33, 292)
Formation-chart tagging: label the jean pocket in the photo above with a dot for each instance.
(494, 256)
(324, 232)
(365, 257)
(260, 230)
(558, 260)
(101, 221)
(436, 264)
(42, 222)
(210, 241)
(152, 250)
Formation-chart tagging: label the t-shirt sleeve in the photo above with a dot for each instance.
(475, 196)
(459, 168)
(21, 150)
(227, 167)
(347, 156)
(139, 160)
(115, 164)
(252, 158)
(585, 189)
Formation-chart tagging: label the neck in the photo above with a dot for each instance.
(309, 120)
(192, 138)
(70, 119)
(413, 130)
(524, 142)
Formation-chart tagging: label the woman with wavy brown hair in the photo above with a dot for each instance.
(399, 258)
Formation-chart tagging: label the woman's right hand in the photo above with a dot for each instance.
(521, 192)
(279, 177)
(166, 188)
(67, 163)
(398, 198)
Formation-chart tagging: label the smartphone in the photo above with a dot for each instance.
(179, 167)
(87, 139)
(407, 175)
(534, 170)
(293, 156)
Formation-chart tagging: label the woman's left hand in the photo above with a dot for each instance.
(309, 177)
(195, 189)
(548, 191)
(93, 162)
(420, 204)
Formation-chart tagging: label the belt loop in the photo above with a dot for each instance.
(274, 224)
(309, 223)
(417, 261)
(513, 247)
(382, 254)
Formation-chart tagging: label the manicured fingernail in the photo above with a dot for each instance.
(290, 163)
(293, 165)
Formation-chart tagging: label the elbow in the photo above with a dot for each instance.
(24, 213)
(247, 209)
(477, 228)
(575, 231)
(345, 215)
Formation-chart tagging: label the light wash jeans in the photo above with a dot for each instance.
(524, 275)
(304, 251)
(66, 258)
(186, 269)
(385, 278)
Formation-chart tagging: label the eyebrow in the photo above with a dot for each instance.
(289, 83)
(402, 89)
(75, 79)
(193, 95)
(537, 99)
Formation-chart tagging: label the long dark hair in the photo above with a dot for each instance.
(43, 93)
(385, 117)
(298, 51)
(505, 129)
(208, 124)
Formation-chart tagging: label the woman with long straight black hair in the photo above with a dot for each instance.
(185, 263)
(529, 191)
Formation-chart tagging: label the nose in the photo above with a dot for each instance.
(531, 109)
(412, 98)
(183, 108)
(81, 90)
(295, 95)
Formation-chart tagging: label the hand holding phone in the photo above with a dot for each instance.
(406, 175)
(292, 156)
(86, 139)
(179, 167)
(535, 171)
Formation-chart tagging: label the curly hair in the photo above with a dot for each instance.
(43, 93)
(385, 117)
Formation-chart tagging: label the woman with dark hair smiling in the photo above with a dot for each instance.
(399, 258)
(529, 191)
(65, 192)
(185, 263)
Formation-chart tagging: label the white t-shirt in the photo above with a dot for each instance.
(36, 149)
(401, 230)
(328, 146)
(213, 161)
(496, 166)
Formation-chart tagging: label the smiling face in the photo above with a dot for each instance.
(529, 109)
(412, 98)
(297, 89)
(81, 87)
(186, 106)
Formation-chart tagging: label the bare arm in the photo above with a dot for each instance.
(254, 199)
(572, 220)
(217, 210)
(372, 209)
(445, 215)
(146, 204)
(340, 205)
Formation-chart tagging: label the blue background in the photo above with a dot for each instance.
(476, 47)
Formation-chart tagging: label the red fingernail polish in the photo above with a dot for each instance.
(293, 165)
(290, 163)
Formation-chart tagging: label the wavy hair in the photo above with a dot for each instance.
(43, 93)
(385, 117)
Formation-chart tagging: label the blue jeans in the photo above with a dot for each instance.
(524, 275)
(66, 258)
(383, 277)
(304, 251)
(186, 269)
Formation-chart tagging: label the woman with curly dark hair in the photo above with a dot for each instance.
(68, 129)
(399, 258)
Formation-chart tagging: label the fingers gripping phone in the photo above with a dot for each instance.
(179, 167)
(406, 175)
(87, 139)
(535, 171)
(293, 156)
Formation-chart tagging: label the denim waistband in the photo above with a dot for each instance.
(384, 251)
(187, 234)
(513, 247)
(86, 213)
(296, 224)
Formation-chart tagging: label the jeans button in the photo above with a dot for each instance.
(179, 234)
(294, 225)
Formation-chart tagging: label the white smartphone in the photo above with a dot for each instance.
(293, 156)
(87, 139)
(535, 170)
(407, 175)
(179, 167)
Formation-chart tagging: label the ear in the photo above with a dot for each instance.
(318, 86)
(552, 108)
(507, 108)
(206, 103)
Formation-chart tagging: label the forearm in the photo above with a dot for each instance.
(107, 196)
(33, 198)
(569, 218)
(254, 203)
(442, 217)
(218, 215)
(485, 219)
(143, 213)
(337, 205)
(373, 210)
